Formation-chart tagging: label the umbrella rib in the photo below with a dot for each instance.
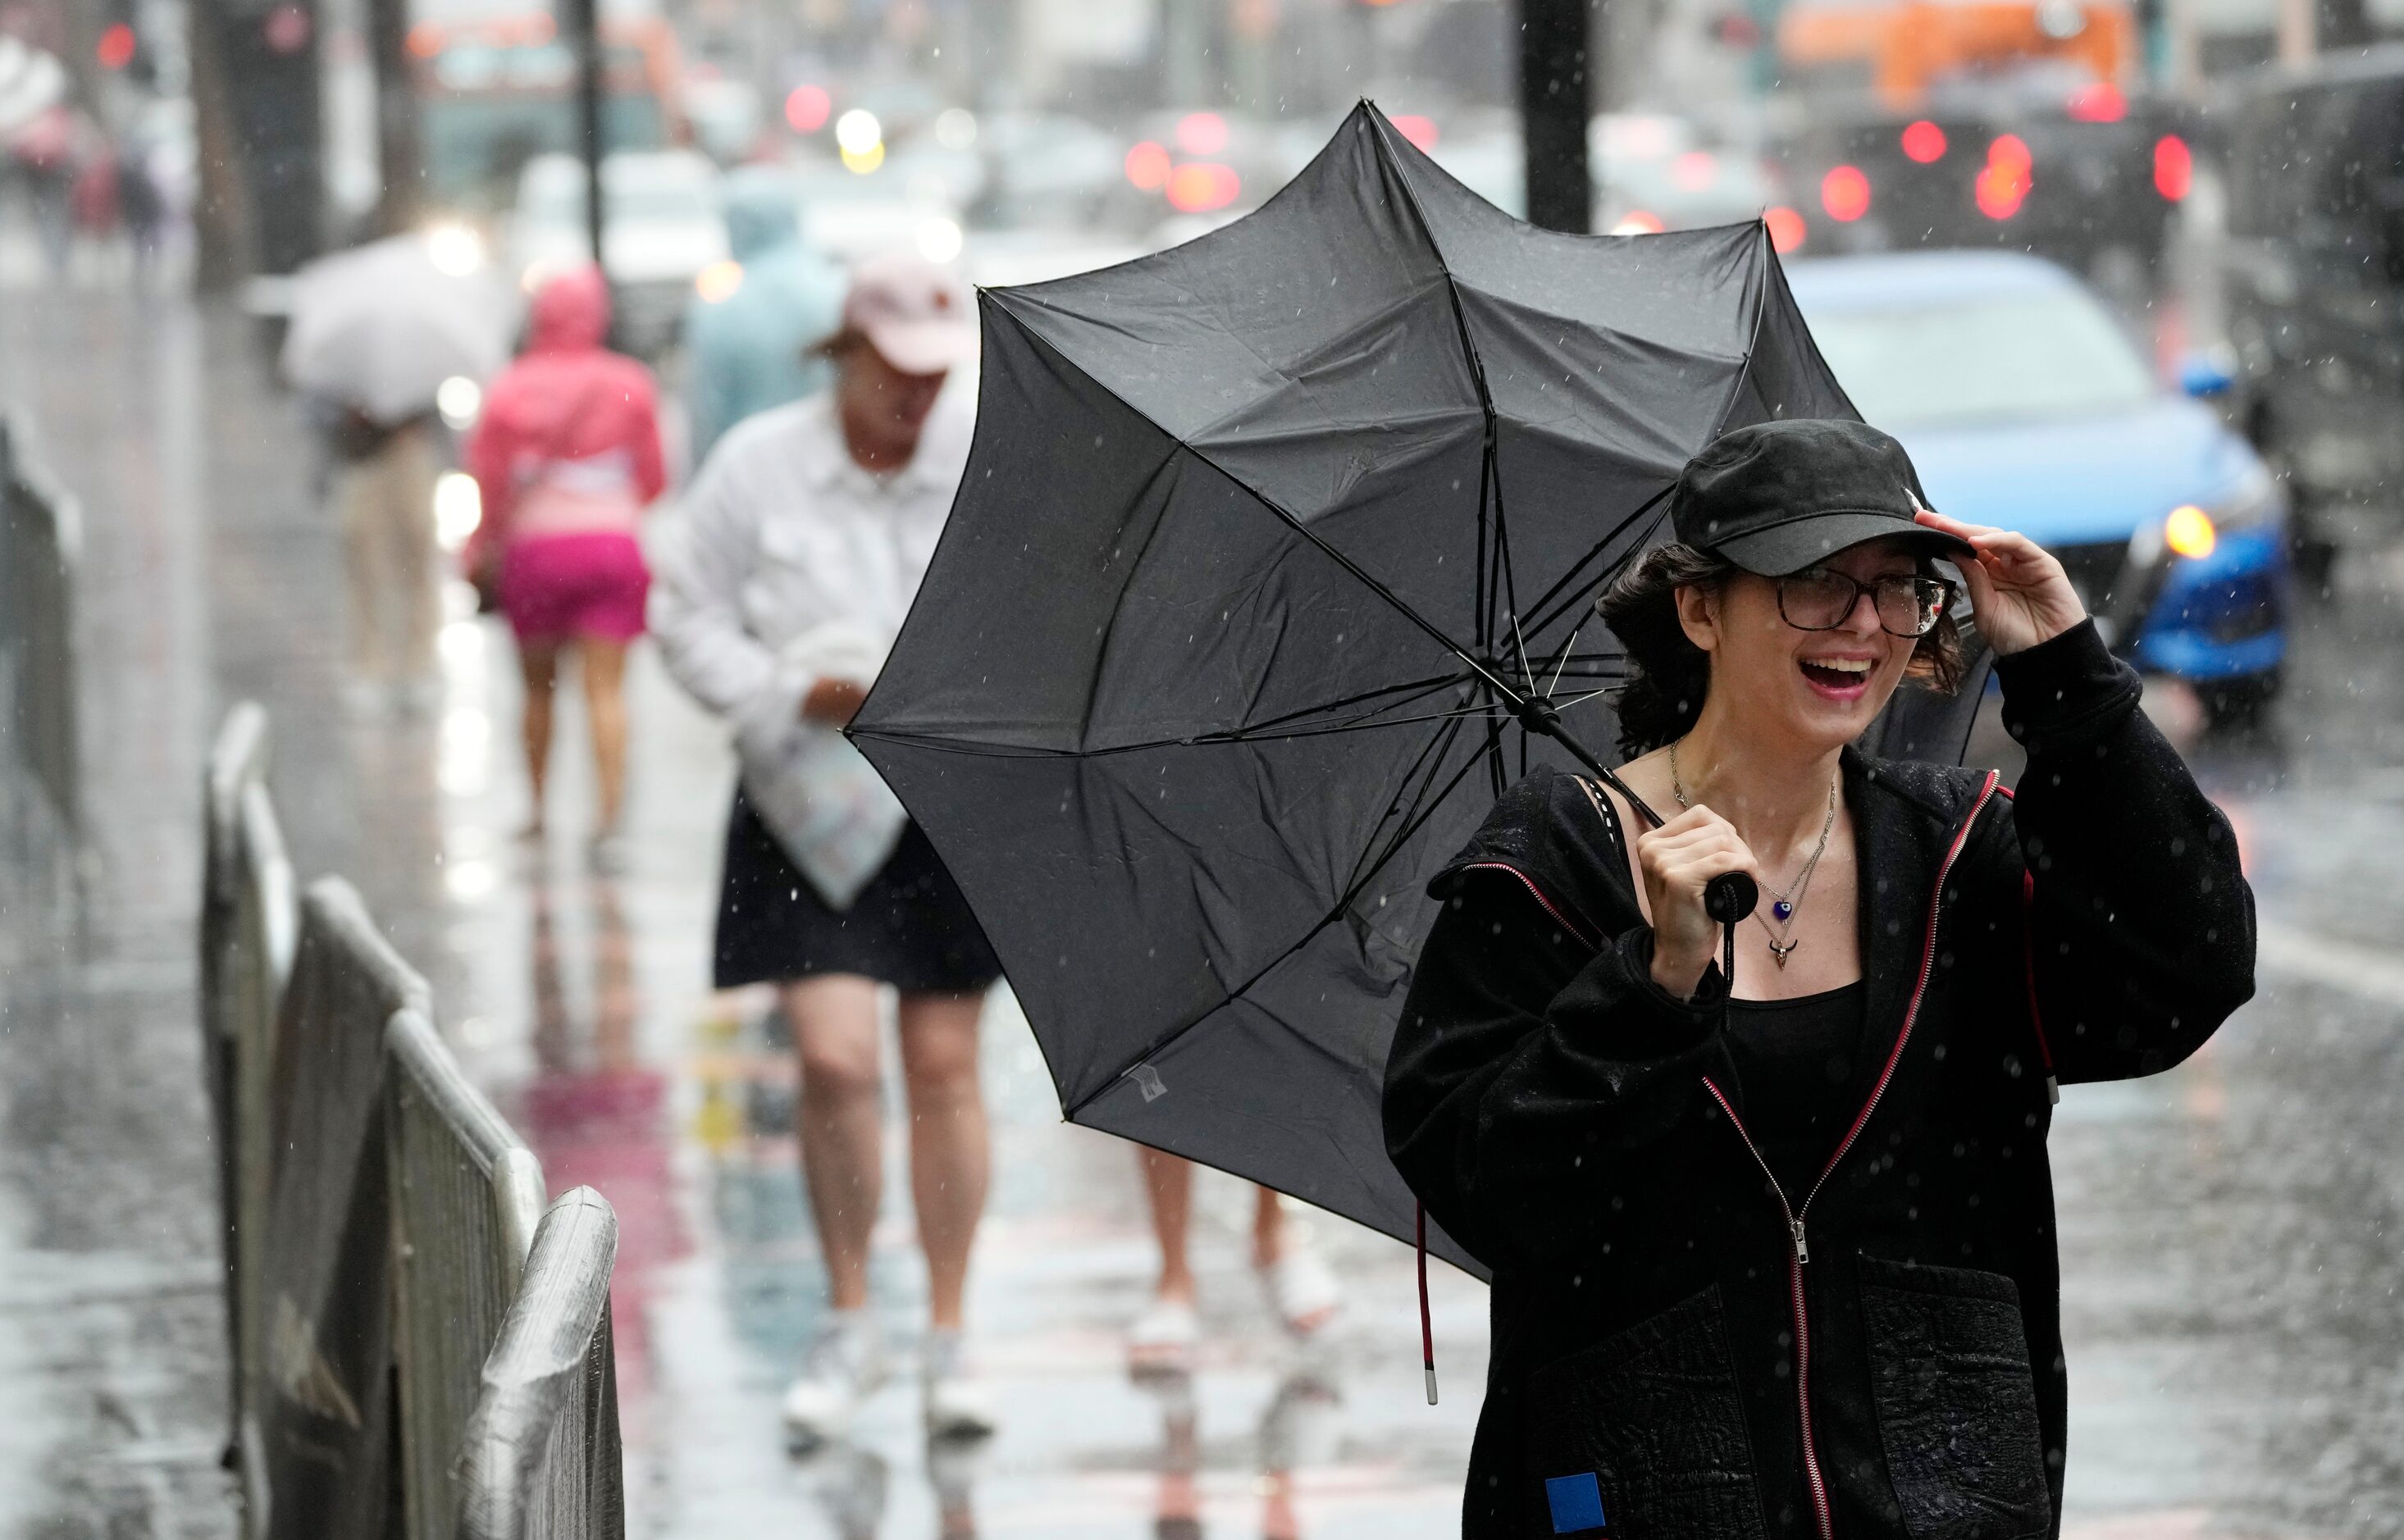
(1491, 470)
(1258, 734)
(1578, 568)
(1152, 1049)
(1760, 309)
(1429, 759)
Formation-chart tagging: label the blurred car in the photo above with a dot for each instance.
(847, 214)
(1047, 169)
(2066, 167)
(662, 226)
(1655, 172)
(2315, 265)
(2025, 405)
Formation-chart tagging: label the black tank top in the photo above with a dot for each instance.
(1795, 1061)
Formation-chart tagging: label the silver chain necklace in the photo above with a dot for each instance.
(1786, 905)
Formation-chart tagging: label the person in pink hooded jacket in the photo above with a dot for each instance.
(567, 456)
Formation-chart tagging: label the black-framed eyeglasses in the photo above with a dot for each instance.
(1907, 604)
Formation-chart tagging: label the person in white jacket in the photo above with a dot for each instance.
(782, 580)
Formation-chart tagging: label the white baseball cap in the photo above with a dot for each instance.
(918, 316)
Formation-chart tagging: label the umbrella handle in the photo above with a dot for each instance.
(1727, 898)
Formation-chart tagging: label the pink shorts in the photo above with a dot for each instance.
(555, 588)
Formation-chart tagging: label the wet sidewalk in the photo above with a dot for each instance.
(2237, 1345)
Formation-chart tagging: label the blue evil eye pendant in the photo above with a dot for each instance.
(1577, 1502)
(1782, 908)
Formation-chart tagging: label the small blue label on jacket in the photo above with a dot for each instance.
(1578, 1502)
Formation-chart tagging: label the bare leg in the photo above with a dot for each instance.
(1169, 1181)
(359, 501)
(604, 664)
(834, 1028)
(539, 662)
(1269, 1227)
(416, 581)
(948, 1152)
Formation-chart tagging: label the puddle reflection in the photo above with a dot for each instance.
(596, 1115)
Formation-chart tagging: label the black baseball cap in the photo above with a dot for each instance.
(1775, 497)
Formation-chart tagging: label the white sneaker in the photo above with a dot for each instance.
(1164, 1338)
(845, 1363)
(960, 1404)
(1302, 1290)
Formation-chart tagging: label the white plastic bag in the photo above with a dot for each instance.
(826, 806)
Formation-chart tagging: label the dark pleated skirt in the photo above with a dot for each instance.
(910, 926)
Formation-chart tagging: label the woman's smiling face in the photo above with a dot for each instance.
(1821, 690)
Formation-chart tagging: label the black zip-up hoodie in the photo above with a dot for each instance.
(1683, 1347)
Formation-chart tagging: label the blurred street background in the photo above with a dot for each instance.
(2129, 276)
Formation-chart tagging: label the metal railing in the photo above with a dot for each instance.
(38, 546)
(466, 1195)
(324, 1411)
(249, 925)
(394, 1342)
(541, 1459)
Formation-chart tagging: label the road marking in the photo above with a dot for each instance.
(2374, 973)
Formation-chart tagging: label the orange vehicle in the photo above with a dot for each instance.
(1899, 50)
(495, 93)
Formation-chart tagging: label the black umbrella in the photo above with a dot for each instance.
(1272, 565)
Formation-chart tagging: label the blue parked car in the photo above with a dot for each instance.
(2025, 404)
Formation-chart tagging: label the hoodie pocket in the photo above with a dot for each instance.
(1956, 1402)
(1655, 1414)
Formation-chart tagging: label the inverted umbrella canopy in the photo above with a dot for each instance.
(1272, 566)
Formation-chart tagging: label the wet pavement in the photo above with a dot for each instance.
(2236, 1338)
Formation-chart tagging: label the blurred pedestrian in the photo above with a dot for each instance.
(94, 195)
(750, 345)
(383, 494)
(142, 207)
(783, 578)
(1301, 1289)
(567, 456)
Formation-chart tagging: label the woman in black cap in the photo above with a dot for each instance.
(1775, 1255)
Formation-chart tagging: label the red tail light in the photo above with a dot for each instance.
(1924, 142)
(1787, 228)
(1148, 165)
(2099, 102)
(2174, 167)
(1198, 187)
(1845, 193)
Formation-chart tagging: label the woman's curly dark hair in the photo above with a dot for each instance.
(1669, 675)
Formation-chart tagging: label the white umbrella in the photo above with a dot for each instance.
(32, 83)
(382, 326)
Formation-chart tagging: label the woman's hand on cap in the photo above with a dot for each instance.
(1678, 859)
(2018, 590)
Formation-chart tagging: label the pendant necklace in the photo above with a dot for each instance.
(1786, 905)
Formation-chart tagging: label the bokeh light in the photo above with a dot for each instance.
(2188, 531)
(807, 108)
(1200, 187)
(1201, 133)
(2174, 167)
(1148, 165)
(1845, 193)
(1924, 142)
